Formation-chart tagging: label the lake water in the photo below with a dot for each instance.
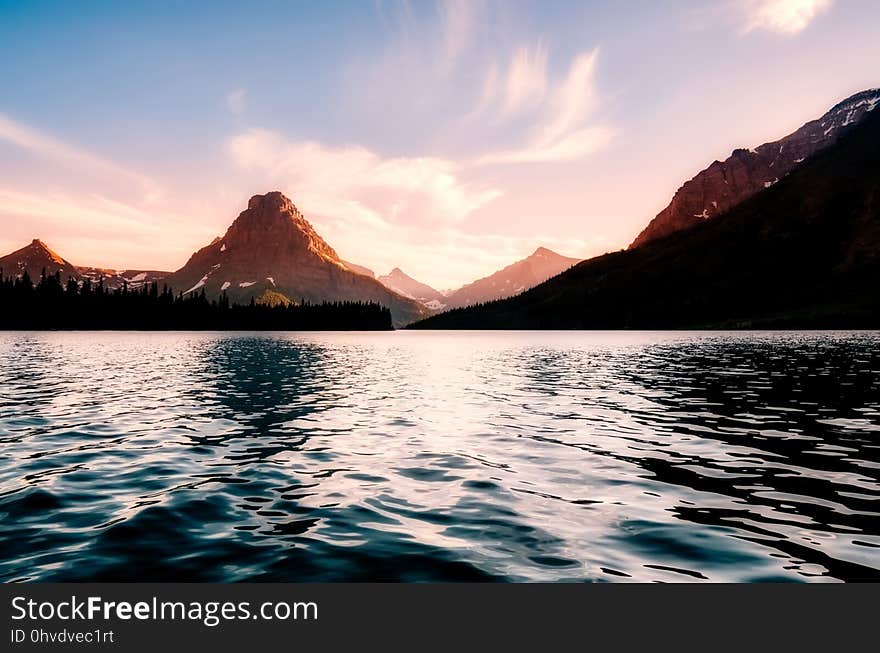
(437, 456)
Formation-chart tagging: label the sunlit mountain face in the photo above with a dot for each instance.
(271, 253)
(36, 260)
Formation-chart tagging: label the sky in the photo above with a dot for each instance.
(445, 138)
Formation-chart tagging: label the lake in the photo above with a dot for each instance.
(440, 456)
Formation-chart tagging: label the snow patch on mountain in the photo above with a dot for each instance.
(198, 285)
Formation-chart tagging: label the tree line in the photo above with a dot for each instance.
(51, 304)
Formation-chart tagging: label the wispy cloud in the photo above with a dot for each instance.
(396, 15)
(782, 16)
(573, 145)
(94, 212)
(561, 129)
(459, 19)
(355, 180)
(526, 79)
(451, 31)
(108, 212)
(97, 229)
(76, 158)
(395, 211)
(465, 256)
(513, 101)
(236, 100)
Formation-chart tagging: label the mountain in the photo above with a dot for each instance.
(35, 258)
(530, 271)
(400, 282)
(360, 269)
(726, 184)
(271, 253)
(118, 278)
(803, 253)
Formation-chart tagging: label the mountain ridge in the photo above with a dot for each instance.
(512, 279)
(404, 284)
(724, 184)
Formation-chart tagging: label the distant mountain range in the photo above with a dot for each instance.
(273, 255)
(113, 279)
(541, 265)
(37, 257)
(400, 282)
(270, 254)
(782, 234)
(511, 280)
(801, 252)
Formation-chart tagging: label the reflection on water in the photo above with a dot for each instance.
(440, 456)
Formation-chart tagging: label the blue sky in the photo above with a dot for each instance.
(446, 138)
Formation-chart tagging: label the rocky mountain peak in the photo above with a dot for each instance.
(34, 258)
(867, 99)
(400, 282)
(271, 253)
(272, 201)
(272, 220)
(542, 252)
(38, 247)
(725, 184)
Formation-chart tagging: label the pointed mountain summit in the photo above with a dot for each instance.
(272, 254)
(512, 280)
(398, 281)
(724, 185)
(35, 258)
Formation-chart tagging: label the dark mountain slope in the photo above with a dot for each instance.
(803, 253)
(723, 185)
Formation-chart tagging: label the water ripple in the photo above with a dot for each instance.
(440, 456)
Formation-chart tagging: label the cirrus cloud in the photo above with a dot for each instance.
(354, 179)
(782, 16)
(561, 129)
(49, 147)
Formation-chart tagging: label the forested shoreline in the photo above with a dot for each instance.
(52, 304)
